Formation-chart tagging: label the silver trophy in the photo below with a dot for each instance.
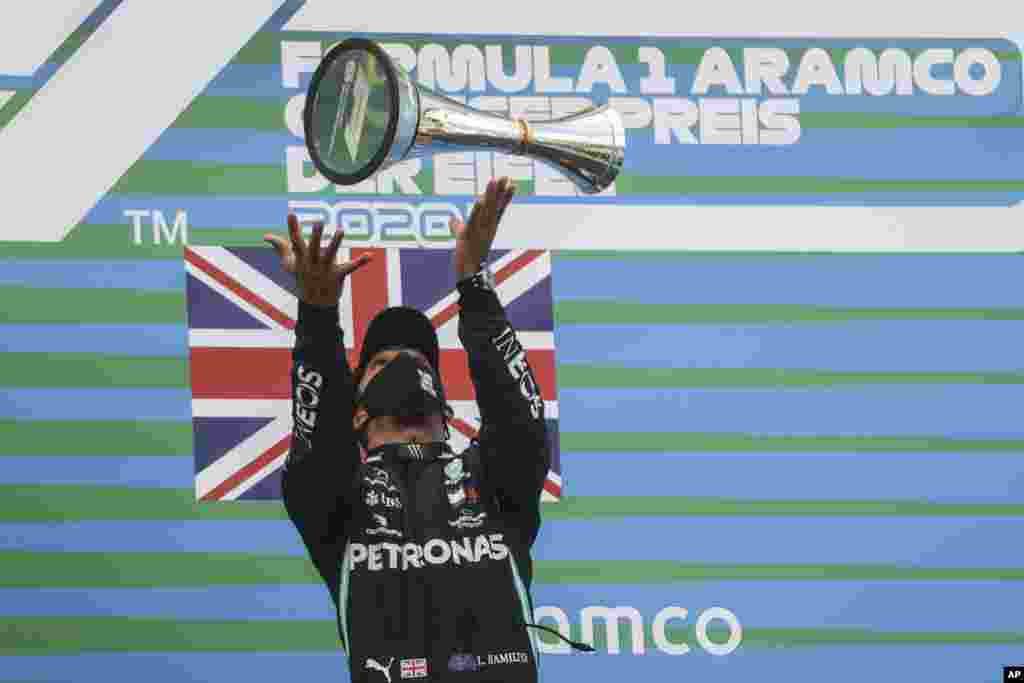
(363, 114)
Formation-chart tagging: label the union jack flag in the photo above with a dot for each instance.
(241, 319)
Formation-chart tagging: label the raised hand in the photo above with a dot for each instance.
(320, 279)
(473, 239)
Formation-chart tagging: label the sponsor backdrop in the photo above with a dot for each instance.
(774, 463)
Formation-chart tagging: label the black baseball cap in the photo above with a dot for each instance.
(400, 327)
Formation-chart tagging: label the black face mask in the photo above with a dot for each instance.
(403, 389)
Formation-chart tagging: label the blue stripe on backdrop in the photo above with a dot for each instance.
(982, 411)
(854, 346)
(35, 81)
(898, 606)
(977, 663)
(274, 601)
(841, 280)
(159, 275)
(923, 154)
(967, 411)
(918, 542)
(146, 471)
(121, 340)
(95, 404)
(264, 81)
(876, 281)
(911, 541)
(275, 537)
(938, 477)
(981, 153)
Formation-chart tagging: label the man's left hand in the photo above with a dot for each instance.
(473, 239)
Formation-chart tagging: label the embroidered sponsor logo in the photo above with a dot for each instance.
(375, 498)
(468, 520)
(374, 665)
(382, 528)
(515, 360)
(383, 556)
(454, 473)
(463, 662)
(376, 476)
(414, 668)
(427, 382)
(306, 405)
(456, 496)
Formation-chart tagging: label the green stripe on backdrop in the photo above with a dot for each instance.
(165, 177)
(12, 106)
(254, 113)
(91, 306)
(151, 177)
(201, 178)
(585, 376)
(593, 507)
(124, 438)
(93, 369)
(114, 438)
(125, 570)
(628, 184)
(68, 503)
(689, 442)
(96, 306)
(660, 571)
(35, 503)
(57, 635)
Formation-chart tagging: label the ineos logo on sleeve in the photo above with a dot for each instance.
(306, 402)
(515, 359)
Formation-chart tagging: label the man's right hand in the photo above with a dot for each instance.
(320, 279)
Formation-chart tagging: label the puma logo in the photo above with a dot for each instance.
(377, 666)
(382, 528)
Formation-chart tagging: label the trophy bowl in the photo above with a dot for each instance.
(363, 114)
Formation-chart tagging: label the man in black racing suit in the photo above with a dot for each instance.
(425, 552)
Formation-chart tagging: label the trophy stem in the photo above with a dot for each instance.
(448, 125)
(588, 146)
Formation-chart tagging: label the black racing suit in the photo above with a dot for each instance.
(428, 566)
